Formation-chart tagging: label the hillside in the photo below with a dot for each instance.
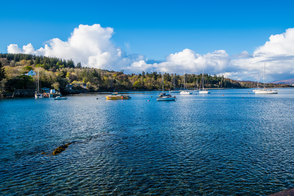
(67, 77)
(289, 82)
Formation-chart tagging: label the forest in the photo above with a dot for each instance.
(68, 78)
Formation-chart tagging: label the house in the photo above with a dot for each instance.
(31, 73)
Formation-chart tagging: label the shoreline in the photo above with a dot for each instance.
(119, 91)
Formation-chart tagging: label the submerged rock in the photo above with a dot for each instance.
(60, 149)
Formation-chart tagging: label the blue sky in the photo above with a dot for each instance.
(179, 35)
(149, 27)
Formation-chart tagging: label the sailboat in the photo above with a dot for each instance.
(174, 91)
(38, 95)
(185, 92)
(264, 90)
(165, 96)
(203, 91)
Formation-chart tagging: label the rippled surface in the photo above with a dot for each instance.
(227, 142)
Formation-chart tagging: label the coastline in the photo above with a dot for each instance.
(29, 93)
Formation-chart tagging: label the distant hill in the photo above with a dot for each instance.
(289, 81)
(68, 78)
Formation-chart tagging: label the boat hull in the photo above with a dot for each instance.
(185, 93)
(204, 92)
(265, 91)
(117, 97)
(166, 99)
(60, 98)
(174, 91)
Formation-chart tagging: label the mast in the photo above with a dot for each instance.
(173, 81)
(163, 82)
(263, 75)
(38, 83)
(184, 86)
(203, 79)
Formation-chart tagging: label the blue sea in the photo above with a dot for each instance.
(229, 142)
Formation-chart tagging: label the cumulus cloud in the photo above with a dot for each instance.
(92, 46)
(275, 58)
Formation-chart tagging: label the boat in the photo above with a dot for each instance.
(38, 95)
(166, 97)
(203, 90)
(185, 92)
(60, 98)
(116, 96)
(174, 91)
(264, 90)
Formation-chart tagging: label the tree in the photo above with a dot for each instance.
(2, 72)
(79, 65)
(55, 85)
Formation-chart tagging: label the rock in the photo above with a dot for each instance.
(288, 192)
(60, 149)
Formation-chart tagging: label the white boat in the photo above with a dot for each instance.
(203, 91)
(185, 92)
(174, 91)
(264, 90)
(174, 86)
(60, 98)
(166, 97)
(38, 95)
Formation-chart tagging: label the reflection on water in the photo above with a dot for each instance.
(227, 142)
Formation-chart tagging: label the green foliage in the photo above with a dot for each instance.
(2, 72)
(68, 78)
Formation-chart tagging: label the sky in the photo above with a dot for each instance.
(232, 38)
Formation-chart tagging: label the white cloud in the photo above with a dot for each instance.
(92, 46)
(275, 57)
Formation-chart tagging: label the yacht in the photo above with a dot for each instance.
(203, 90)
(38, 95)
(165, 96)
(264, 90)
(185, 92)
(174, 86)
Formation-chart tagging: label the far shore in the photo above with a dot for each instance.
(31, 95)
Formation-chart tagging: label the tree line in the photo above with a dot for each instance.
(68, 77)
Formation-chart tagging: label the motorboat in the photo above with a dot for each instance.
(116, 96)
(166, 97)
(60, 98)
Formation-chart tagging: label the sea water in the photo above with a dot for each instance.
(227, 142)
